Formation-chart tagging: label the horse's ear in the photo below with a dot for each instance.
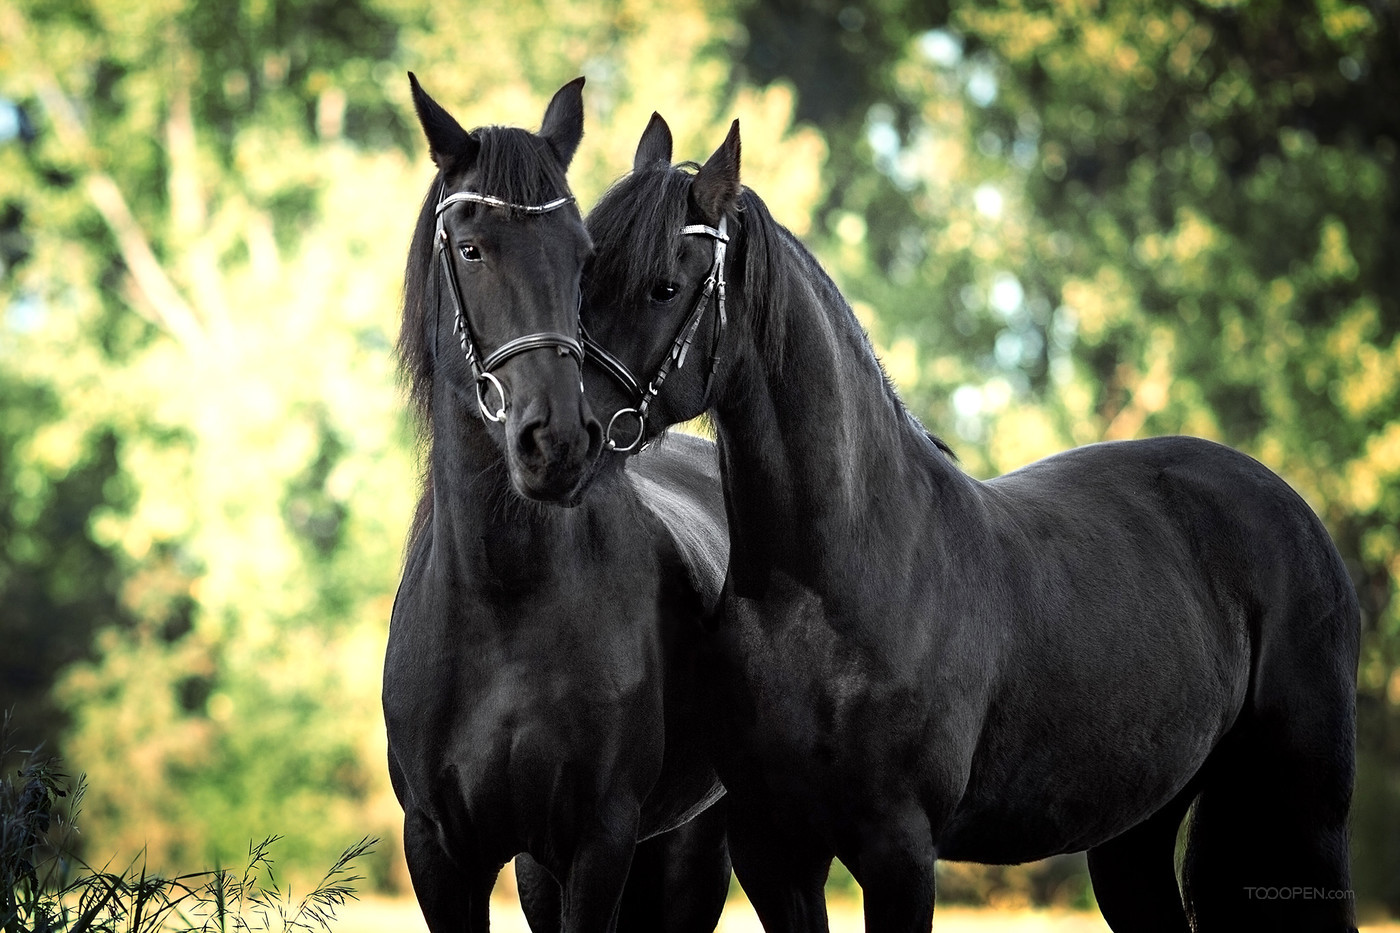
(654, 146)
(563, 121)
(716, 186)
(448, 143)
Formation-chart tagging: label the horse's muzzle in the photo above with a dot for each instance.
(549, 453)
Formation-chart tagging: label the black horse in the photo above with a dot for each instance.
(538, 686)
(911, 664)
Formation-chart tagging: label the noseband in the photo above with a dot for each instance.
(482, 368)
(675, 358)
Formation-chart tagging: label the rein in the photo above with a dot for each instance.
(675, 358)
(482, 368)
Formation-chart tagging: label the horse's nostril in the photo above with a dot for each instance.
(528, 442)
(552, 446)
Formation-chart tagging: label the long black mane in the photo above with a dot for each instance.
(634, 229)
(512, 164)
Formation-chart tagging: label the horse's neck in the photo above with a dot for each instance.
(481, 527)
(820, 459)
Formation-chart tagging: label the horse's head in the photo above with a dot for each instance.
(656, 303)
(491, 300)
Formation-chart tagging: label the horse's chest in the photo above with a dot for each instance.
(504, 739)
(805, 698)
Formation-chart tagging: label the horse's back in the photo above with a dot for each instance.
(1160, 591)
(1231, 513)
(1212, 518)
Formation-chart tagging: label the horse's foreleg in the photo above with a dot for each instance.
(452, 896)
(783, 876)
(597, 875)
(895, 869)
(540, 896)
(679, 880)
(1134, 874)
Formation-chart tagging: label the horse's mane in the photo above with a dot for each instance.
(634, 226)
(512, 164)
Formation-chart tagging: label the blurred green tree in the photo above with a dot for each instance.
(191, 300)
(57, 585)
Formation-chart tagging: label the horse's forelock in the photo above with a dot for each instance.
(518, 166)
(512, 164)
(634, 226)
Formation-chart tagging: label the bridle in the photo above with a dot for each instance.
(482, 368)
(675, 357)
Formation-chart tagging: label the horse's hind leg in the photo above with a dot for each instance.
(1267, 842)
(679, 880)
(1134, 874)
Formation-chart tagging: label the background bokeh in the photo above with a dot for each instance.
(1061, 223)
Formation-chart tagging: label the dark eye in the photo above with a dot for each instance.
(663, 292)
(470, 252)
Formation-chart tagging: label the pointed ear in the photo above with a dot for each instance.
(716, 186)
(448, 143)
(655, 144)
(563, 121)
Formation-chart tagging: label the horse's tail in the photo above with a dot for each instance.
(1267, 840)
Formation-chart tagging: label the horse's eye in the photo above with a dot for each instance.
(663, 292)
(470, 252)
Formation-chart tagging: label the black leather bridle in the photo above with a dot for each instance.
(482, 368)
(583, 346)
(680, 347)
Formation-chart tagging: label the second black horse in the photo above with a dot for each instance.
(911, 664)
